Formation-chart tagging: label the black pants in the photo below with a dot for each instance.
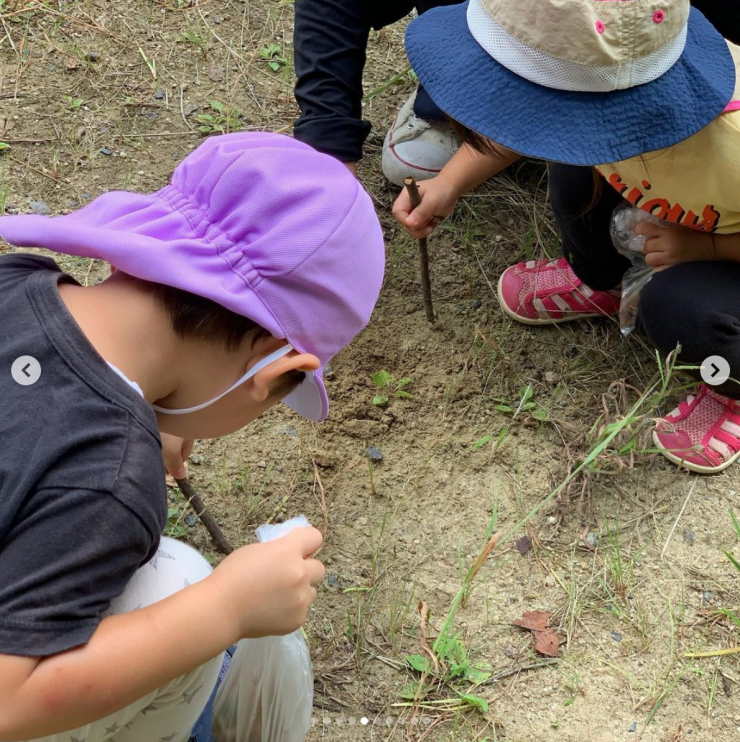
(694, 305)
(330, 41)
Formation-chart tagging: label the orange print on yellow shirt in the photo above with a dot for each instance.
(663, 209)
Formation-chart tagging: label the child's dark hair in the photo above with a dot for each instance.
(478, 142)
(195, 317)
(486, 146)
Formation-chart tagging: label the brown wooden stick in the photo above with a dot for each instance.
(213, 528)
(426, 284)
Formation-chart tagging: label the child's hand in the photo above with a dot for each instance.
(268, 588)
(175, 452)
(438, 200)
(667, 246)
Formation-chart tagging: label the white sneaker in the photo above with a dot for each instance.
(416, 147)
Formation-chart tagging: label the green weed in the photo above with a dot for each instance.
(390, 386)
(272, 54)
(222, 121)
(447, 663)
(524, 403)
(73, 103)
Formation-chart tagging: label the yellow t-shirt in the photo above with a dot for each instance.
(695, 183)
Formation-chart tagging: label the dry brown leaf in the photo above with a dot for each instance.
(524, 545)
(534, 621)
(546, 642)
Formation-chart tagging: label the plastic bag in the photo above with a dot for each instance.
(267, 694)
(631, 245)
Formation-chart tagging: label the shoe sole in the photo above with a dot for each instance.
(696, 468)
(538, 321)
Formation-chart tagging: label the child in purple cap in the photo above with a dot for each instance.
(235, 285)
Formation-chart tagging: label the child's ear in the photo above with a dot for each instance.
(260, 384)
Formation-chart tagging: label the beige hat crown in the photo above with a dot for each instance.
(582, 45)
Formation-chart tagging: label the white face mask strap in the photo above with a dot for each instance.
(277, 355)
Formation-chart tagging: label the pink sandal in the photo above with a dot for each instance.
(543, 292)
(702, 433)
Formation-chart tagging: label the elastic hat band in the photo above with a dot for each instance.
(563, 74)
(277, 355)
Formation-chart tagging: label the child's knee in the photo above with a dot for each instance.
(672, 316)
(175, 566)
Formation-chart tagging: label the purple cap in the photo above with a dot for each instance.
(259, 223)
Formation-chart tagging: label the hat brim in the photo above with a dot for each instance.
(573, 128)
(310, 399)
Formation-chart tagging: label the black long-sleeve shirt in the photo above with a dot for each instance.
(330, 52)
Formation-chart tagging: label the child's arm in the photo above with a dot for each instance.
(667, 246)
(465, 171)
(259, 590)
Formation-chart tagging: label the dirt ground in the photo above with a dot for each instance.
(628, 559)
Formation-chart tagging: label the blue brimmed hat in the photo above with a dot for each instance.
(584, 82)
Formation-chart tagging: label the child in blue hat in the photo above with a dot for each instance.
(633, 102)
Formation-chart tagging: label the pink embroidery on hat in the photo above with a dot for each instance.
(659, 16)
(600, 27)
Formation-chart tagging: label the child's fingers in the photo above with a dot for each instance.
(308, 540)
(648, 229)
(655, 259)
(420, 233)
(316, 571)
(402, 207)
(653, 244)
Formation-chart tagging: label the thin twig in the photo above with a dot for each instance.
(213, 528)
(322, 494)
(426, 284)
(680, 515)
(508, 672)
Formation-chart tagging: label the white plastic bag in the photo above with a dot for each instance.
(631, 245)
(267, 694)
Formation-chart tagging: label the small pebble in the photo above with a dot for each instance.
(191, 520)
(689, 537)
(196, 459)
(633, 727)
(374, 454)
(105, 151)
(40, 207)
(616, 636)
(159, 95)
(332, 579)
(476, 304)
(92, 56)
(551, 377)
(563, 403)
(592, 540)
(217, 19)
(708, 596)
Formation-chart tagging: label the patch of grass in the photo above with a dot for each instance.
(524, 405)
(390, 388)
(448, 664)
(273, 55)
(73, 103)
(222, 120)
